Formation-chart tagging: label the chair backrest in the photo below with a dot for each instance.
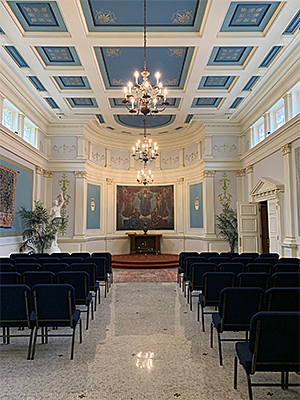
(274, 341)
(251, 255)
(10, 278)
(188, 261)
(6, 260)
(229, 255)
(183, 255)
(234, 267)
(269, 255)
(282, 299)
(27, 260)
(60, 255)
(197, 272)
(102, 267)
(72, 260)
(54, 304)
(259, 267)
(244, 260)
(80, 254)
(237, 305)
(31, 278)
(80, 280)
(209, 254)
(289, 260)
(13, 256)
(44, 260)
(90, 268)
(219, 260)
(15, 305)
(285, 267)
(285, 279)
(27, 267)
(106, 254)
(269, 260)
(56, 267)
(213, 283)
(38, 255)
(7, 268)
(255, 279)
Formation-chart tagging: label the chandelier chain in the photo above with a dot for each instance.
(145, 38)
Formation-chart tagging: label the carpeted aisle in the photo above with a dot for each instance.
(145, 261)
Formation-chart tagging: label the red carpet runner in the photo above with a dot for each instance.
(142, 261)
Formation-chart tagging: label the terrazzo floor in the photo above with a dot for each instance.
(144, 343)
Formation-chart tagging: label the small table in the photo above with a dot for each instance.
(149, 243)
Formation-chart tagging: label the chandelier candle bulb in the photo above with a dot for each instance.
(157, 76)
(136, 74)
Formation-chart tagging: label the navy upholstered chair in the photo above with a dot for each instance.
(285, 267)
(212, 284)
(197, 272)
(182, 257)
(31, 278)
(10, 278)
(209, 254)
(91, 269)
(72, 260)
(7, 267)
(219, 260)
(102, 271)
(80, 280)
(234, 267)
(251, 255)
(269, 255)
(268, 260)
(255, 279)
(244, 260)
(6, 260)
(26, 260)
(229, 255)
(289, 260)
(285, 279)
(55, 306)
(38, 255)
(237, 306)
(21, 268)
(259, 267)
(14, 256)
(16, 311)
(186, 277)
(49, 259)
(80, 254)
(107, 255)
(56, 267)
(273, 346)
(282, 299)
(60, 255)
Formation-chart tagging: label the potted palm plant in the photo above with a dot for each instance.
(227, 226)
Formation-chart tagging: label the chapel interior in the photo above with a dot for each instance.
(225, 132)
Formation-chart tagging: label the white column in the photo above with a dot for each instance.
(47, 195)
(241, 186)
(200, 155)
(108, 158)
(241, 144)
(209, 203)
(267, 124)
(131, 162)
(80, 204)
(38, 182)
(157, 162)
(181, 157)
(249, 170)
(208, 147)
(180, 206)
(47, 145)
(80, 147)
(2, 97)
(289, 242)
(110, 203)
(21, 118)
(252, 138)
(288, 112)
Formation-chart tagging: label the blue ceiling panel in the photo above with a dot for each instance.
(118, 64)
(206, 102)
(100, 118)
(136, 121)
(162, 15)
(37, 83)
(248, 16)
(236, 102)
(215, 82)
(270, 56)
(82, 102)
(251, 82)
(58, 55)
(16, 56)
(52, 103)
(188, 118)
(229, 55)
(293, 25)
(115, 103)
(72, 82)
(38, 15)
(2, 31)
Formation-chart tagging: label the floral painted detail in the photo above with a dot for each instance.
(168, 82)
(112, 52)
(106, 16)
(119, 160)
(225, 197)
(118, 82)
(64, 148)
(178, 52)
(192, 156)
(64, 183)
(170, 160)
(182, 17)
(98, 157)
(225, 147)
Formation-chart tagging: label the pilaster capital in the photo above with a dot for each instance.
(109, 181)
(180, 181)
(286, 149)
(240, 173)
(80, 174)
(47, 174)
(249, 169)
(38, 170)
(208, 174)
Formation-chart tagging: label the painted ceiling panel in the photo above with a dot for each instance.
(248, 16)
(137, 121)
(293, 25)
(82, 102)
(72, 82)
(38, 16)
(118, 64)
(115, 103)
(37, 83)
(162, 15)
(215, 82)
(16, 56)
(58, 55)
(229, 55)
(206, 102)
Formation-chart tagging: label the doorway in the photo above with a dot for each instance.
(265, 241)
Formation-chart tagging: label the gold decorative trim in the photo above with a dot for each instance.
(286, 149)
(48, 174)
(180, 181)
(80, 174)
(109, 181)
(38, 170)
(249, 169)
(240, 173)
(208, 174)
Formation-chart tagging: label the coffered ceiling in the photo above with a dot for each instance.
(75, 56)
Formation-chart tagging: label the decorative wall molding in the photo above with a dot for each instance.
(80, 174)
(286, 149)
(64, 148)
(180, 181)
(249, 169)
(208, 174)
(224, 148)
(109, 181)
(38, 170)
(47, 174)
(119, 159)
(266, 188)
(240, 173)
(169, 159)
(97, 157)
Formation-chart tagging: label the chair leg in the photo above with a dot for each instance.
(7, 337)
(30, 344)
(198, 311)
(92, 309)
(220, 349)
(235, 373)
(105, 288)
(73, 342)
(287, 379)
(4, 333)
(249, 387)
(211, 335)
(191, 301)
(34, 342)
(202, 318)
(46, 334)
(80, 330)
(87, 317)
(95, 308)
(99, 292)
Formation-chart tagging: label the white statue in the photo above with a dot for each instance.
(55, 213)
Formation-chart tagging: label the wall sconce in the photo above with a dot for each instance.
(197, 205)
(93, 205)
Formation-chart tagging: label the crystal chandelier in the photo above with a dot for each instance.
(144, 98)
(144, 177)
(145, 152)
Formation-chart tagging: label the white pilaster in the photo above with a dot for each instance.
(2, 97)
(131, 162)
(288, 112)
(80, 147)
(108, 158)
(157, 162)
(180, 206)
(47, 195)
(110, 202)
(209, 203)
(241, 186)
(249, 170)
(21, 118)
(38, 182)
(289, 242)
(241, 145)
(80, 204)
(181, 157)
(208, 147)
(267, 122)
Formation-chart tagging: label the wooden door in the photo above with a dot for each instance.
(249, 227)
